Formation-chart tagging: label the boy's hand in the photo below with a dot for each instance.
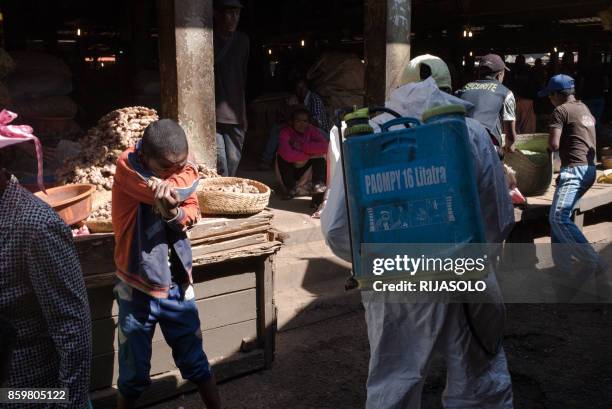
(165, 198)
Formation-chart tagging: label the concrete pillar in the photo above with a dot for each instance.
(398, 42)
(387, 46)
(186, 65)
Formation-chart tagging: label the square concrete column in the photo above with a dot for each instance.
(387, 46)
(186, 65)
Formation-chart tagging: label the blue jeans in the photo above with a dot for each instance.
(572, 184)
(230, 140)
(178, 319)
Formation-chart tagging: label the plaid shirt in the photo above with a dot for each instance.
(315, 105)
(42, 294)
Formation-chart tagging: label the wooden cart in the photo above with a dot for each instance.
(234, 290)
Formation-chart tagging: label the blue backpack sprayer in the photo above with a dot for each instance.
(415, 185)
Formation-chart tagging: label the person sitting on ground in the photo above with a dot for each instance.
(318, 114)
(154, 202)
(301, 146)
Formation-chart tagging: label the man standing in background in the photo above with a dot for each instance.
(494, 104)
(572, 133)
(231, 66)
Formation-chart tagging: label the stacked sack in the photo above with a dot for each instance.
(340, 79)
(39, 89)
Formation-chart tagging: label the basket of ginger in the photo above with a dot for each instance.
(232, 196)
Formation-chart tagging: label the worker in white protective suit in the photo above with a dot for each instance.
(404, 336)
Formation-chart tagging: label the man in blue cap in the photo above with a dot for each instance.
(572, 133)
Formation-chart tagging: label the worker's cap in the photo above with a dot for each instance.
(439, 71)
(227, 4)
(493, 62)
(557, 83)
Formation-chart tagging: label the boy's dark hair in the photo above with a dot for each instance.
(300, 109)
(566, 92)
(163, 138)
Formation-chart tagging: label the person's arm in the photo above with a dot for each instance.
(509, 119)
(138, 189)
(319, 114)
(554, 139)
(495, 202)
(187, 214)
(317, 144)
(55, 274)
(179, 215)
(555, 129)
(286, 151)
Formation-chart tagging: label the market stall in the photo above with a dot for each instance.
(233, 282)
(233, 246)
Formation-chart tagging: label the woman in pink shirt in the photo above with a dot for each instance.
(300, 147)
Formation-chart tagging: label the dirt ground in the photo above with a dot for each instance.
(559, 357)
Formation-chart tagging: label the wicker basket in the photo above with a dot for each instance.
(218, 203)
(533, 179)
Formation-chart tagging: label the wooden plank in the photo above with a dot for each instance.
(209, 281)
(96, 254)
(212, 283)
(239, 253)
(598, 195)
(99, 281)
(209, 227)
(170, 383)
(93, 236)
(263, 228)
(199, 251)
(267, 310)
(219, 344)
(105, 280)
(214, 312)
